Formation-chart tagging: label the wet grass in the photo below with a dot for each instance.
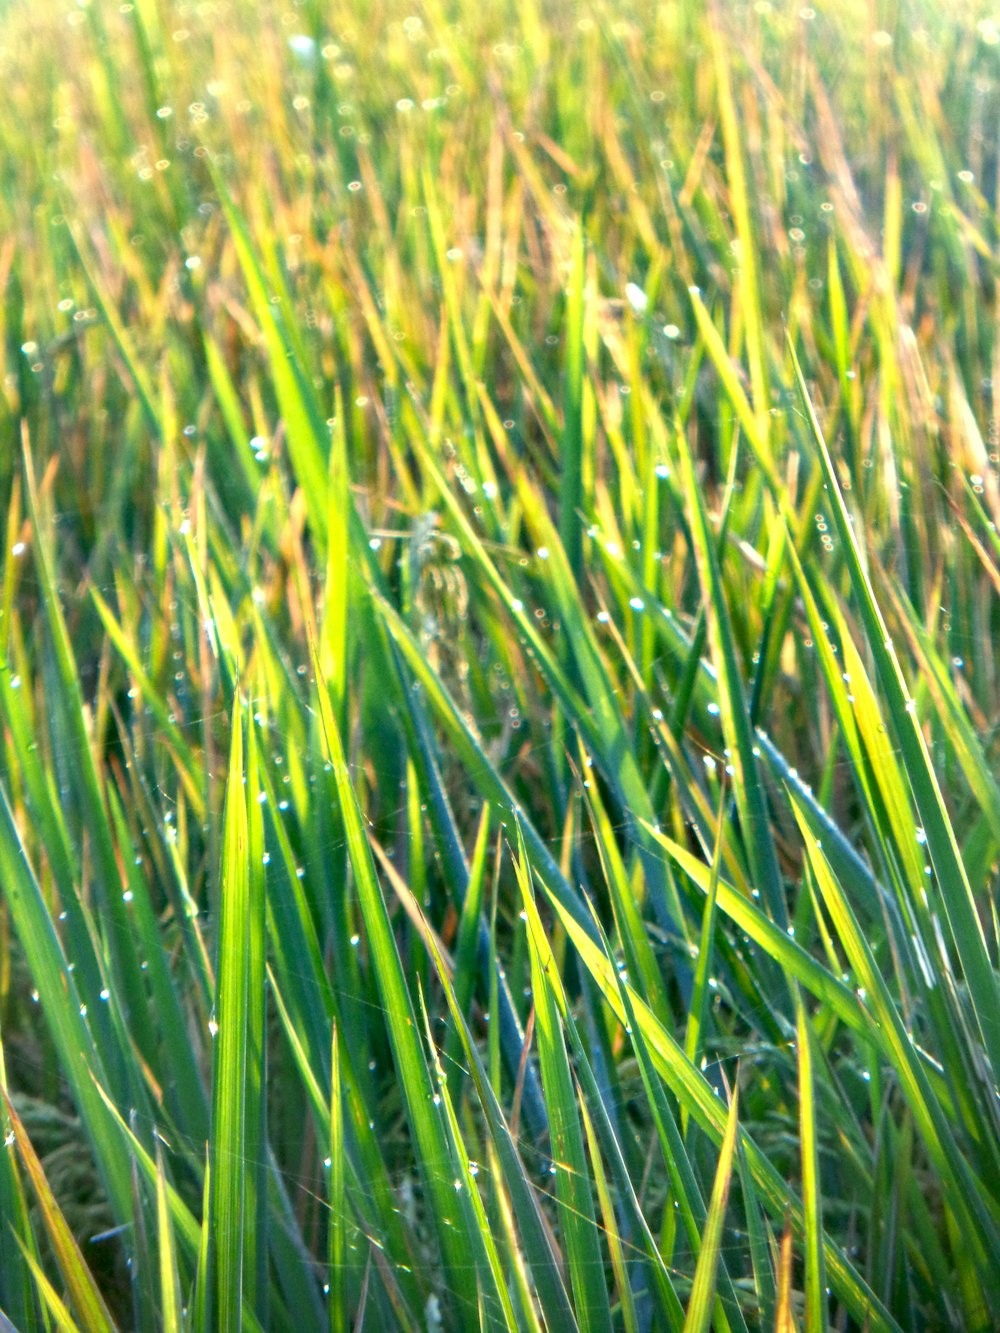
(498, 705)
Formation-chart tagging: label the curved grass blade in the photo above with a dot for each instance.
(692, 1090)
(303, 421)
(64, 1010)
(685, 1187)
(71, 713)
(669, 1309)
(747, 786)
(466, 1182)
(535, 1235)
(630, 1319)
(88, 1303)
(963, 1191)
(579, 1222)
(956, 894)
(702, 1302)
(480, 768)
(51, 1300)
(170, 1286)
(461, 1245)
(795, 961)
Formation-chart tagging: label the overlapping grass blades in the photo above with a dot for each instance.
(498, 709)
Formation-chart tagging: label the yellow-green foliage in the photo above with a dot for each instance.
(498, 702)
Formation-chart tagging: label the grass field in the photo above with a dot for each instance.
(499, 798)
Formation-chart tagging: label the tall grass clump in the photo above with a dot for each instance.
(499, 815)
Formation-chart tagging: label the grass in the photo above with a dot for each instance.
(499, 822)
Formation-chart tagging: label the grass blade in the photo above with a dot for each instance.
(569, 1161)
(88, 1303)
(229, 1070)
(700, 1306)
(956, 894)
(816, 1308)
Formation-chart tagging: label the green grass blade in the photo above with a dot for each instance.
(956, 894)
(572, 462)
(62, 1004)
(170, 1287)
(702, 1302)
(964, 1193)
(303, 422)
(630, 1319)
(54, 1306)
(696, 1011)
(228, 1158)
(816, 1300)
(694, 1092)
(586, 1264)
(88, 1303)
(457, 1238)
(337, 1244)
(535, 1235)
(747, 786)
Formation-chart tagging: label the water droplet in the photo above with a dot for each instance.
(302, 45)
(636, 298)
